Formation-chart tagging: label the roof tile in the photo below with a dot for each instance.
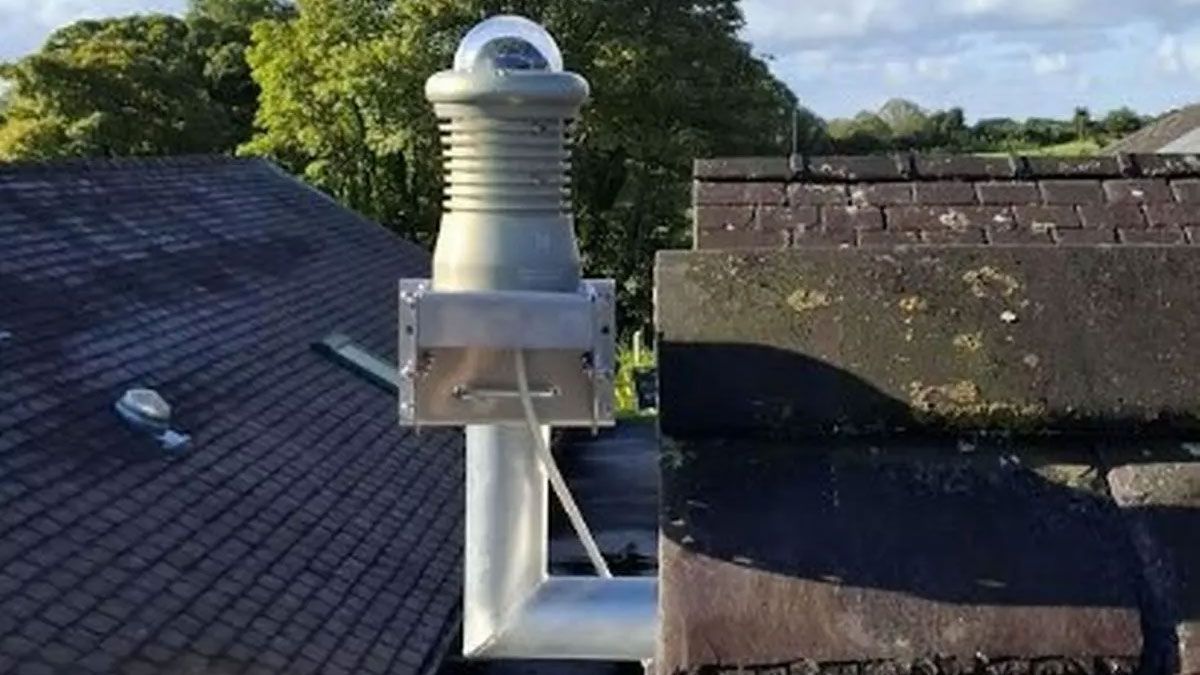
(208, 279)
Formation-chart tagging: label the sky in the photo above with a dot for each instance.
(1009, 58)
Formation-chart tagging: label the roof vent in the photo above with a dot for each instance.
(145, 410)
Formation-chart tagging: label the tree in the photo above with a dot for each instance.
(909, 123)
(130, 86)
(810, 133)
(1082, 121)
(221, 31)
(342, 104)
(239, 13)
(867, 133)
(1121, 122)
(138, 85)
(948, 130)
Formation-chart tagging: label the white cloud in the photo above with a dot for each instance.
(936, 67)
(1178, 54)
(1050, 64)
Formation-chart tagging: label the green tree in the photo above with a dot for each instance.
(908, 122)
(948, 130)
(864, 134)
(810, 133)
(1121, 122)
(221, 31)
(239, 13)
(1082, 121)
(130, 86)
(342, 104)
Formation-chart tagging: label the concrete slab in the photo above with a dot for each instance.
(780, 553)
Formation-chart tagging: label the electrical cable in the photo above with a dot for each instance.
(556, 478)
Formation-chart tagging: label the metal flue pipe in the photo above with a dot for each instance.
(504, 112)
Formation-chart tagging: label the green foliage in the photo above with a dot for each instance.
(129, 86)
(903, 125)
(627, 364)
(137, 85)
(342, 104)
(239, 13)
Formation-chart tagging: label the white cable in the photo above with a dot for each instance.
(556, 479)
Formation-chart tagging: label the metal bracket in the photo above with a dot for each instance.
(457, 362)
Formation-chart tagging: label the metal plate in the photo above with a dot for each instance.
(458, 355)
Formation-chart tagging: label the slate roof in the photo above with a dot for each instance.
(1162, 134)
(946, 199)
(303, 531)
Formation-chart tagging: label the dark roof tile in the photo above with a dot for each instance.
(209, 279)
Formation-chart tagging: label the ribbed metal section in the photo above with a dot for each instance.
(506, 164)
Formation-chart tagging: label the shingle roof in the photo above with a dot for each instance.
(931, 199)
(303, 531)
(1161, 133)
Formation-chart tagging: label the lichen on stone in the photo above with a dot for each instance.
(969, 342)
(913, 304)
(806, 300)
(961, 405)
(987, 281)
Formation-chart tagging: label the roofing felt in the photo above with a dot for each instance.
(1160, 134)
(303, 531)
(946, 199)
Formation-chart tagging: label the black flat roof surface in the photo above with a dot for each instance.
(303, 531)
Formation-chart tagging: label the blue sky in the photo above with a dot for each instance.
(993, 57)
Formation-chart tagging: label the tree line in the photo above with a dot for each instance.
(332, 90)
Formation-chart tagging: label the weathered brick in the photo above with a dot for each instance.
(966, 166)
(735, 239)
(945, 192)
(1111, 216)
(881, 194)
(820, 236)
(1009, 235)
(742, 227)
(1004, 193)
(888, 237)
(715, 194)
(955, 218)
(745, 168)
(724, 217)
(1172, 215)
(1137, 190)
(1088, 236)
(1072, 167)
(1046, 218)
(1167, 165)
(817, 193)
(855, 167)
(1187, 191)
(851, 218)
(971, 235)
(1072, 192)
(1161, 235)
(786, 217)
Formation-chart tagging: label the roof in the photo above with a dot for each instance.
(1161, 135)
(934, 199)
(303, 531)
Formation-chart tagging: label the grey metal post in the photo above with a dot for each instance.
(507, 226)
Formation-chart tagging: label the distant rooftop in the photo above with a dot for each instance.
(1178, 131)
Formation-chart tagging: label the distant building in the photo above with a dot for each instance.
(1176, 132)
